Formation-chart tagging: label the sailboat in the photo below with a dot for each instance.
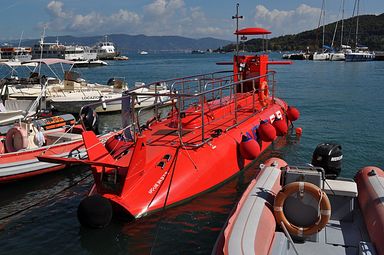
(323, 55)
(340, 55)
(361, 53)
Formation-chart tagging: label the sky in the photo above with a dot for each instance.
(26, 19)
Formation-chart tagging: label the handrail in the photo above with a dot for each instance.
(196, 93)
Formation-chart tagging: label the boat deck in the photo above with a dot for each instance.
(338, 238)
(345, 235)
(252, 229)
(217, 118)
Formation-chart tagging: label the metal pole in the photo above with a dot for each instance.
(237, 17)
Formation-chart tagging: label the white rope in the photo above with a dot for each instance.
(58, 139)
(289, 237)
(319, 208)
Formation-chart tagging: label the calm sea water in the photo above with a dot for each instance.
(339, 102)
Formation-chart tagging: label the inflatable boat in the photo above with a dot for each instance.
(308, 210)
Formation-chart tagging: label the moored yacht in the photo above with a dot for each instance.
(318, 56)
(16, 53)
(78, 52)
(106, 50)
(340, 55)
(324, 54)
(72, 91)
(360, 53)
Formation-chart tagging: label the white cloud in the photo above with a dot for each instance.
(66, 21)
(163, 7)
(302, 18)
(160, 17)
(56, 9)
(123, 16)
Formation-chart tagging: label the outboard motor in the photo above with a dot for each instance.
(111, 81)
(328, 156)
(90, 119)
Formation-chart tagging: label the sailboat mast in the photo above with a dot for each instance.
(323, 24)
(342, 25)
(357, 21)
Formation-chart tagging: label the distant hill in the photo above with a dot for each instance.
(139, 42)
(371, 34)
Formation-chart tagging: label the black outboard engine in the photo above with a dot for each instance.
(328, 156)
(90, 119)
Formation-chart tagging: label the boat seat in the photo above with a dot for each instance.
(2, 107)
(340, 188)
(62, 137)
(342, 195)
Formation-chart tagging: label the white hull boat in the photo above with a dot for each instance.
(359, 56)
(337, 56)
(321, 56)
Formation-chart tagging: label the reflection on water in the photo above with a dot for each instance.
(17, 197)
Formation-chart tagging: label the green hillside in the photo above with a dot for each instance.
(371, 34)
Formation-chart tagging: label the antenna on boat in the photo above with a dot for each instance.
(237, 17)
(42, 45)
(21, 37)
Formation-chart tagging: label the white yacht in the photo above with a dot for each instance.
(83, 56)
(105, 50)
(323, 55)
(319, 56)
(66, 95)
(340, 55)
(148, 100)
(78, 52)
(360, 53)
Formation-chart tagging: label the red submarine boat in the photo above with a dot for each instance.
(217, 125)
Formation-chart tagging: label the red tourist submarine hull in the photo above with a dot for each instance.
(213, 130)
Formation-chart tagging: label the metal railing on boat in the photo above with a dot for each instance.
(198, 91)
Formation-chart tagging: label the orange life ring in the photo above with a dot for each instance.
(263, 93)
(317, 193)
(16, 139)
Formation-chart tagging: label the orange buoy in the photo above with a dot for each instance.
(281, 127)
(266, 131)
(292, 113)
(249, 148)
(299, 131)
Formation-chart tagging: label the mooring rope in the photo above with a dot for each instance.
(173, 166)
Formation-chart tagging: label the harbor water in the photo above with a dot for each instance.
(339, 102)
